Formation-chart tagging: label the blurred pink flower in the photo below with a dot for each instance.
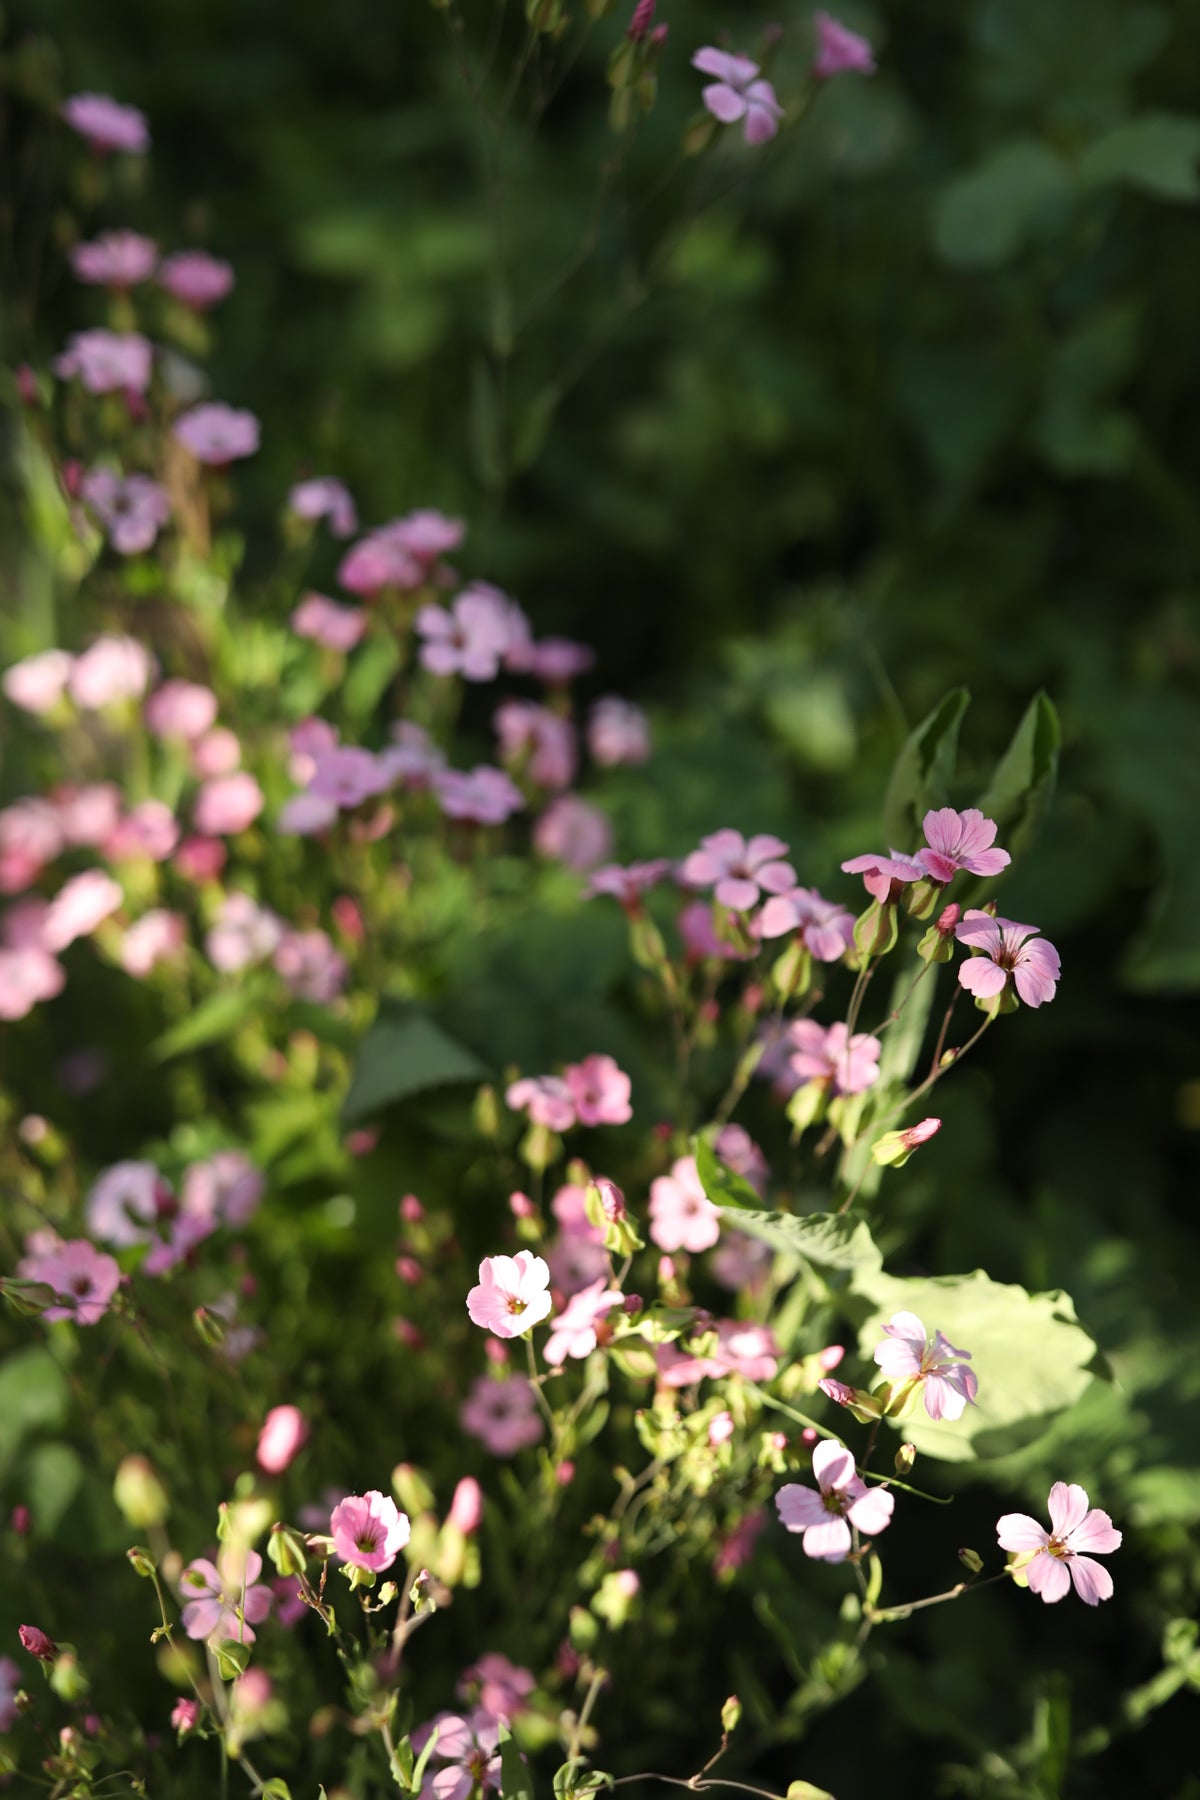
(224, 1602)
(466, 1749)
(425, 534)
(740, 1262)
(682, 1217)
(80, 905)
(311, 966)
(124, 1201)
(87, 815)
(1055, 1558)
(960, 841)
(537, 742)
(739, 869)
(628, 884)
(473, 636)
(226, 1188)
(158, 936)
(30, 837)
(116, 259)
(28, 975)
(375, 563)
(368, 1530)
(304, 815)
(909, 1353)
(738, 1151)
(599, 1091)
(823, 1053)
(185, 1232)
(843, 1500)
(618, 733)
(195, 278)
(218, 752)
(10, 1684)
(569, 1207)
(37, 683)
(512, 1294)
(411, 757)
(347, 775)
(1008, 952)
(466, 1508)
(284, 1434)
(180, 709)
(546, 1098)
(106, 124)
(502, 1414)
(738, 1548)
(185, 1714)
(81, 1275)
(111, 670)
(884, 876)
(576, 1262)
(739, 92)
(227, 805)
(746, 1349)
(825, 929)
(323, 497)
(200, 859)
(244, 933)
(150, 830)
(217, 434)
(483, 795)
(574, 833)
(107, 361)
(840, 50)
(557, 660)
(702, 941)
(323, 620)
(573, 1331)
(503, 1686)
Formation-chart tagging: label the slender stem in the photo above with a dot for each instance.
(535, 1381)
(697, 1786)
(585, 1713)
(886, 1614)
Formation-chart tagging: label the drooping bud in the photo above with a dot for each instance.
(971, 1559)
(894, 1148)
(34, 1639)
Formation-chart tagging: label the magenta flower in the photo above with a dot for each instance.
(843, 1500)
(840, 50)
(738, 92)
(117, 259)
(83, 1277)
(960, 841)
(10, 1683)
(503, 1686)
(618, 733)
(38, 1644)
(909, 1353)
(502, 1414)
(311, 966)
(368, 1530)
(224, 1602)
(536, 742)
(196, 279)
(825, 929)
(628, 884)
(682, 1217)
(482, 796)
(573, 1332)
(574, 833)
(823, 1053)
(217, 434)
(323, 497)
(739, 869)
(106, 124)
(323, 620)
(547, 1100)
(884, 876)
(512, 1294)
(37, 683)
(473, 637)
(111, 670)
(1007, 952)
(1052, 1560)
(599, 1091)
(467, 1750)
(107, 362)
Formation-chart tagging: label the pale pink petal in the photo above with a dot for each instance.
(1047, 1576)
(1017, 1531)
(981, 977)
(1068, 1507)
(1097, 1532)
(723, 102)
(829, 1541)
(872, 1511)
(800, 1508)
(832, 1464)
(1093, 1582)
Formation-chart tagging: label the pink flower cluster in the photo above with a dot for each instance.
(592, 1092)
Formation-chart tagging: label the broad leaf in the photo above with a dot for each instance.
(828, 1241)
(405, 1053)
(516, 1782)
(921, 776)
(1157, 152)
(983, 218)
(722, 1185)
(1022, 787)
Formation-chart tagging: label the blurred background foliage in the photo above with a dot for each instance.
(799, 439)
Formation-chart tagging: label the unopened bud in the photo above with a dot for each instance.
(140, 1494)
(906, 1456)
(140, 1561)
(34, 1639)
(287, 1550)
(210, 1325)
(466, 1508)
(731, 1712)
(894, 1148)
(971, 1559)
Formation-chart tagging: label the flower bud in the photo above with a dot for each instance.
(906, 1456)
(140, 1494)
(971, 1559)
(283, 1436)
(28, 1299)
(894, 1148)
(731, 1712)
(34, 1639)
(466, 1508)
(287, 1550)
(210, 1326)
(863, 1406)
(185, 1715)
(140, 1561)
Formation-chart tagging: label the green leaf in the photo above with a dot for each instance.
(405, 1053)
(983, 218)
(720, 1183)
(828, 1241)
(921, 775)
(33, 1397)
(1031, 1356)
(368, 676)
(1022, 787)
(215, 1018)
(422, 1762)
(516, 1782)
(1157, 152)
(276, 1789)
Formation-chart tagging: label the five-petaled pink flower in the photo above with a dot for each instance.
(825, 929)
(682, 1217)
(512, 1294)
(840, 50)
(910, 1353)
(1010, 952)
(468, 1752)
(84, 1278)
(739, 92)
(960, 841)
(599, 1091)
(844, 1500)
(227, 1601)
(502, 1414)
(196, 279)
(849, 1065)
(217, 434)
(573, 1332)
(473, 636)
(884, 876)
(368, 1530)
(739, 869)
(1052, 1560)
(547, 1100)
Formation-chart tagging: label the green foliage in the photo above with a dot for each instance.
(405, 1053)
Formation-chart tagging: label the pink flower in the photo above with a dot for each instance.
(106, 124)
(682, 1217)
(1051, 1560)
(200, 859)
(80, 905)
(745, 1349)
(30, 837)
(908, 1353)
(503, 1686)
(312, 968)
(368, 1530)
(825, 929)
(426, 534)
(88, 815)
(124, 1201)
(325, 498)
(483, 795)
(599, 1091)
(738, 1548)
(411, 758)
(107, 362)
(195, 278)
(111, 670)
(117, 259)
(884, 876)
(840, 50)
(10, 1682)
(538, 742)
(573, 1332)
(618, 733)
(150, 830)
(1008, 953)
(158, 936)
(960, 841)
(628, 884)
(28, 975)
(376, 563)
(347, 775)
(740, 1262)
(35, 1640)
(466, 1508)
(821, 1053)
(843, 1500)
(574, 833)
(226, 1189)
(227, 805)
(283, 1436)
(181, 709)
(474, 636)
(701, 940)
(576, 1262)
(37, 683)
(739, 869)
(557, 660)
(467, 1750)
(738, 1151)
(323, 620)
(502, 1414)
(217, 434)
(225, 1602)
(185, 1714)
(185, 1234)
(739, 93)
(569, 1207)
(245, 933)
(81, 1275)
(216, 753)
(304, 815)
(512, 1294)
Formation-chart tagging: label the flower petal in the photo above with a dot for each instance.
(832, 1464)
(1093, 1582)
(799, 1507)
(1097, 1533)
(1068, 1507)
(872, 1512)
(1047, 1576)
(829, 1541)
(1017, 1531)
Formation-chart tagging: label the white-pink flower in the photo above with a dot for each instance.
(910, 1353)
(228, 805)
(124, 1201)
(112, 669)
(158, 936)
(1053, 1560)
(618, 733)
(284, 1434)
(83, 1277)
(217, 434)
(1008, 952)
(225, 1602)
(37, 683)
(842, 1500)
(107, 362)
(682, 1217)
(512, 1294)
(80, 905)
(573, 1332)
(599, 1091)
(181, 709)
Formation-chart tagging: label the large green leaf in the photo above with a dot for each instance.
(922, 771)
(830, 1242)
(214, 1019)
(1157, 152)
(33, 1397)
(1029, 1351)
(722, 1185)
(983, 218)
(1022, 787)
(405, 1053)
